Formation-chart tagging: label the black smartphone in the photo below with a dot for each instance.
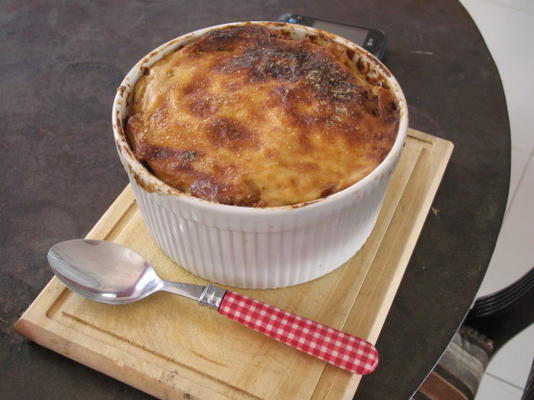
(372, 40)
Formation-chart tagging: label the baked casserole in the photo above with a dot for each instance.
(249, 116)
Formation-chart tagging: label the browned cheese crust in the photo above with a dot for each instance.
(250, 117)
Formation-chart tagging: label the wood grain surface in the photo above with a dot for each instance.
(171, 348)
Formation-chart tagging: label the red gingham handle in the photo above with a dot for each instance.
(335, 347)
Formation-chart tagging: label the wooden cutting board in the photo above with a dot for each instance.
(171, 348)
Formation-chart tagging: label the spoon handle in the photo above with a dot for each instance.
(335, 347)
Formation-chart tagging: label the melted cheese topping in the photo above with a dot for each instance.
(248, 116)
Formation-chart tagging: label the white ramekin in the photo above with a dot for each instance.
(257, 247)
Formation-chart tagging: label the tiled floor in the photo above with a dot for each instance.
(508, 28)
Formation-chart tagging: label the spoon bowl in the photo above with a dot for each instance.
(103, 271)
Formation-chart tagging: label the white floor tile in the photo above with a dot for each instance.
(512, 363)
(514, 253)
(519, 163)
(520, 5)
(494, 389)
(508, 32)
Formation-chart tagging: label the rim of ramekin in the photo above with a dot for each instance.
(135, 167)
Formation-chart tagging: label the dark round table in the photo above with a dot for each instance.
(60, 64)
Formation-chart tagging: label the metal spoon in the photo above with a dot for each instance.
(113, 274)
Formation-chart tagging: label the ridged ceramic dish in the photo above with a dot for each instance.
(257, 247)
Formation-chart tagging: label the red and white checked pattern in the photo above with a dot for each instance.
(335, 347)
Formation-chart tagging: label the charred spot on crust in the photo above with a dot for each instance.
(199, 101)
(271, 61)
(370, 103)
(198, 83)
(133, 125)
(203, 106)
(312, 38)
(292, 62)
(253, 196)
(305, 142)
(208, 189)
(333, 83)
(225, 39)
(327, 191)
(226, 132)
(149, 152)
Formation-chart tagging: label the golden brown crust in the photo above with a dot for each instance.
(247, 116)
